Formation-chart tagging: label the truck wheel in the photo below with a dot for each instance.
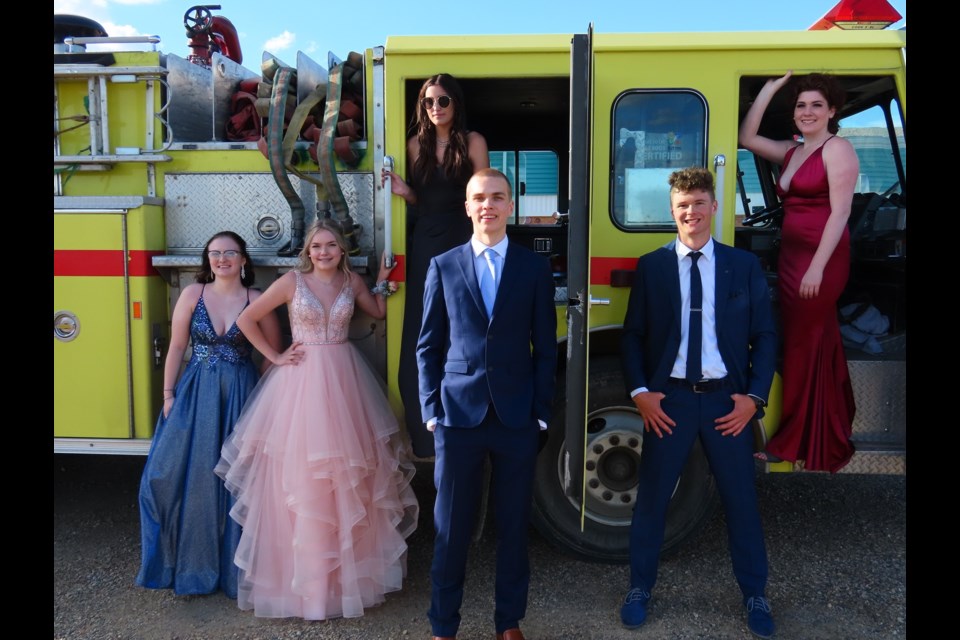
(614, 440)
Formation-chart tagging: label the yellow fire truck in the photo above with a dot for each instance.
(148, 165)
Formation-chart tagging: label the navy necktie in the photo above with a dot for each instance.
(695, 337)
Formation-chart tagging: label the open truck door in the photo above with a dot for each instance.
(618, 210)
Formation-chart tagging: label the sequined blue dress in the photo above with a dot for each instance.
(188, 540)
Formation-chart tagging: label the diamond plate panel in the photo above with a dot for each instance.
(879, 388)
(200, 205)
(358, 190)
(878, 462)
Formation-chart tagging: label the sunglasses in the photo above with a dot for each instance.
(443, 101)
(229, 254)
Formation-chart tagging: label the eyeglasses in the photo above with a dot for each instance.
(443, 101)
(230, 254)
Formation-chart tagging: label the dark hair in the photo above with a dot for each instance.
(323, 224)
(692, 179)
(456, 159)
(205, 274)
(831, 90)
(490, 172)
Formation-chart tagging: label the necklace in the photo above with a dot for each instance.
(443, 143)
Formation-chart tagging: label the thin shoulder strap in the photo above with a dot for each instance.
(202, 287)
(827, 140)
(789, 154)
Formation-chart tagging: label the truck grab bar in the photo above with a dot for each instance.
(719, 165)
(387, 213)
(73, 40)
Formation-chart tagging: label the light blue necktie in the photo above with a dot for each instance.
(488, 281)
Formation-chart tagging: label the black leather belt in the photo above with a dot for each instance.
(704, 386)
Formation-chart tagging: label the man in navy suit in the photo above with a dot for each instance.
(487, 361)
(696, 292)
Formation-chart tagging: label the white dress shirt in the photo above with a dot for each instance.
(480, 262)
(712, 363)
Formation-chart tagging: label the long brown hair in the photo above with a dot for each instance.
(456, 159)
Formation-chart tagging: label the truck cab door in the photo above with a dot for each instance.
(578, 274)
(629, 128)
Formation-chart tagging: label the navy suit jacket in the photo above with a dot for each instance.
(467, 360)
(745, 329)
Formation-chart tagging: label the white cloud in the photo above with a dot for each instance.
(121, 30)
(95, 9)
(98, 10)
(281, 42)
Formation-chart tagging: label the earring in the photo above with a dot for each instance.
(243, 272)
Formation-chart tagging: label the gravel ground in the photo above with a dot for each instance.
(837, 547)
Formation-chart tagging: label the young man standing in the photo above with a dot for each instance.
(487, 358)
(699, 352)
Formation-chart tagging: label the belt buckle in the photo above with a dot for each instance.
(698, 389)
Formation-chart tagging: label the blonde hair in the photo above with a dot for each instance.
(305, 265)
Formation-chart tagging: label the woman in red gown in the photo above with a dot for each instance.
(816, 186)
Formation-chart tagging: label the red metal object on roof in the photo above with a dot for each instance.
(858, 14)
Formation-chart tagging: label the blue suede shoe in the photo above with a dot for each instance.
(759, 618)
(633, 612)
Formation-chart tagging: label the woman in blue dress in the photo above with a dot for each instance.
(188, 539)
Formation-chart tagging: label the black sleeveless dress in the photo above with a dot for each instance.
(437, 223)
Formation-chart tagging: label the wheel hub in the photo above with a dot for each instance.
(612, 462)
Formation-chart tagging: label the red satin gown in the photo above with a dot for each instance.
(818, 405)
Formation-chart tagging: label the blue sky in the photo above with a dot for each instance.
(291, 25)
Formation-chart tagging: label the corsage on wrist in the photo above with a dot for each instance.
(384, 288)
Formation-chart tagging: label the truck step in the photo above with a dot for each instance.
(879, 389)
(877, 462)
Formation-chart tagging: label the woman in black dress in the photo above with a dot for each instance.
(442, 155)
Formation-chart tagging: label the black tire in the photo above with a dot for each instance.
(615, 437)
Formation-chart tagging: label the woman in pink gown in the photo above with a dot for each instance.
(320, 473)
(816, 186)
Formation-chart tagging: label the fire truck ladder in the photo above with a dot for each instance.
(102, 156)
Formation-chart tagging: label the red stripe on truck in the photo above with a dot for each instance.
(103, 262)
(601, 268)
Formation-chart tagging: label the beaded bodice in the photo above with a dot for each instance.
(310, 323)
(210, 348)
